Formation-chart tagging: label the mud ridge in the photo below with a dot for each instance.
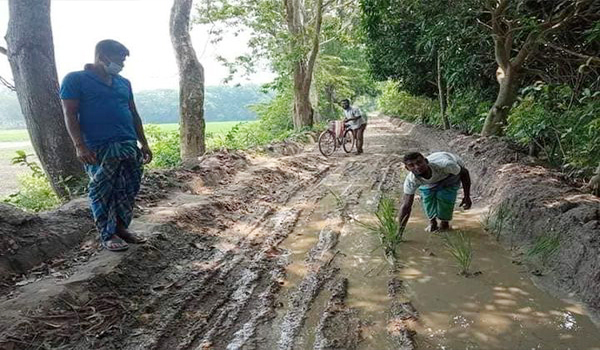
(339, 326)
(402, 317)
(320, 271)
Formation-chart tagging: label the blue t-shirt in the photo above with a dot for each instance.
(104, 114)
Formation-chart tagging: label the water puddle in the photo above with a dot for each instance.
(499, 309)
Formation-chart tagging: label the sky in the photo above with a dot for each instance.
(142, 26)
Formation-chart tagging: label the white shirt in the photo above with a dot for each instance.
(442, 165)
(353, 112)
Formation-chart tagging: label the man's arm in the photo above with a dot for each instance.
(139, 129)
(465, 179)
(71, 109)
(405, 209)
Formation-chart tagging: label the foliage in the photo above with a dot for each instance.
(35, 193)
(405, 37)
(459, 246)
(165, 146)
(274, 125)
(562, 124)
(221, 103)
(397, 102)
(468, 109)
(341, 70)
(387, 227)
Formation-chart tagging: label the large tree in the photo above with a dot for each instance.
(303, 65)
(191, 83)
(30, 51)
(519, 28)
(286, 33)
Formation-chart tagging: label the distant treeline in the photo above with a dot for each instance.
(222, 103)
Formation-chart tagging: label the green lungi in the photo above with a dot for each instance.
(438, 202)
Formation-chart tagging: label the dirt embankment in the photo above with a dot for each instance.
(536, 202)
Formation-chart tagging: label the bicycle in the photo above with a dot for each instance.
(329, 141)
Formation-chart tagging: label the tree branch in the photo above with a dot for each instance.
(526, 50)
(3, 51)
(502, 56)
(315, 46)
(7, 84)
(576, 54)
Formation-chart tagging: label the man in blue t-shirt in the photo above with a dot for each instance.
(105, 127)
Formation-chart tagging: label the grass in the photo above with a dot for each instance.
(544, 247)
(17, 135)
(387, 227)
(211, 127)
(497, 220)
(459, 246)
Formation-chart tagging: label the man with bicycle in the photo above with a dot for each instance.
(356, 122)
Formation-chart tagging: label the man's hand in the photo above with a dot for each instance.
(85, 155)
(466, 203)
(146, 154)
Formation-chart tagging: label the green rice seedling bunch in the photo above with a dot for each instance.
(459, 246)
(496, 220)
(387, 227)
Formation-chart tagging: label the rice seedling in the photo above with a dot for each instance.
(387, 227)
(496, 220)
(459, 246)
(544, 247)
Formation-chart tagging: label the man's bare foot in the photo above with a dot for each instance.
(432, 228)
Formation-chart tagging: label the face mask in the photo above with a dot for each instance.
(113, 68)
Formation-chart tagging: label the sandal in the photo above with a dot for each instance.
(115, 244)
(132, 238)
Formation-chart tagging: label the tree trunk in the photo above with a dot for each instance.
(30, 52)
(303, 111)
(191, 84)
(497, 117)
(441, 95)
(303, 68)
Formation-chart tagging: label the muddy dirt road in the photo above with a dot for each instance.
(265, 253)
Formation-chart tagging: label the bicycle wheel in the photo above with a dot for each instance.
(327, 143)
(348, 141)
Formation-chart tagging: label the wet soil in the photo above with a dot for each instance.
(265, 252)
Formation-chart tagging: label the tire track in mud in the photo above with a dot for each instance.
(353, 183)
(240, 281)
(213, 277)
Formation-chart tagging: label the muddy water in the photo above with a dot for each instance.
(498, 309)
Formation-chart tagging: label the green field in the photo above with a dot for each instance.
(211, 127)
(14, 135)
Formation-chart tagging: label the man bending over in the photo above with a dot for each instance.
(438, 178)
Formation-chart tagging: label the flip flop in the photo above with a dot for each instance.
(115, 244)
(132, 238)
